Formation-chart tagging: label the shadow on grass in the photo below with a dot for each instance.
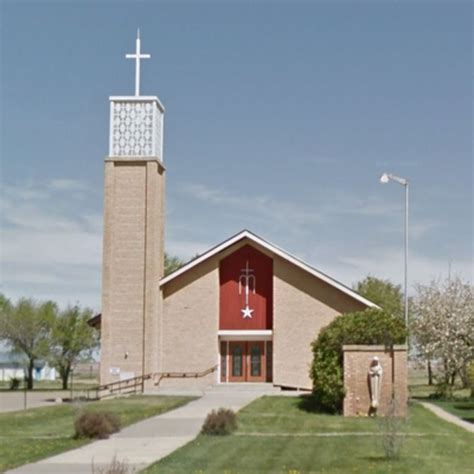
(310, 404)
(469, 420)
(468, 406)
(380, 458)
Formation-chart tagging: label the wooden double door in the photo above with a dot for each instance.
(249, 361)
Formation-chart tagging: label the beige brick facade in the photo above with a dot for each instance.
(357, 360)
(303, 305)
(189, 325)
(173, 327)
(190, 322)
(132, 267)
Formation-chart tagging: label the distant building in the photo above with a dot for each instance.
(13, 366)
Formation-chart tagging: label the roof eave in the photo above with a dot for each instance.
(274, 249)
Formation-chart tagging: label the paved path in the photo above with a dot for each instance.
(14, 400)
(145, 442)
(448, 416)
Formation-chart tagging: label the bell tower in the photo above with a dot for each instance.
(133, 245)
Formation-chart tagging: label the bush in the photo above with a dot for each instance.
(392, 430)
(96, 425)
(220, 422)
(14, 383)
(444, 390)
(372, 326)
(115, 467)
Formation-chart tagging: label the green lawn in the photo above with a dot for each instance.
(419, 388)
(462, 408)
(27, 436)
(277, 435)
(462, 405)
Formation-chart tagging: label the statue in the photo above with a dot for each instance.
(375, 381)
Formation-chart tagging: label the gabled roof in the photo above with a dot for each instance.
(274, 249)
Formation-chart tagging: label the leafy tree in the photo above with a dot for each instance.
(25, 328)
(5, 304)
(443, 326)
(383, 293)
(70, 338)
(172, 263)
(372, 326)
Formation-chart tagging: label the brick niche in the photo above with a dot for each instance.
(357, 360)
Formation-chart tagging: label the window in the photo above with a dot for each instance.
(223, 361)
(255, 361)
(237, 362)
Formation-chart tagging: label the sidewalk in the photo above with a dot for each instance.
(14, 400)
(145, 442)
(448, 416)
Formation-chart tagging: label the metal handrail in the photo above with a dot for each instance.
(159, 376)
(129, 386)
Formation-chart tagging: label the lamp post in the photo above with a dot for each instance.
(72, 380)
(385, 178)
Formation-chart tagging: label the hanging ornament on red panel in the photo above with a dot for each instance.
(247, 284)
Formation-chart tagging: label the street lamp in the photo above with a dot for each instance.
(385, 178)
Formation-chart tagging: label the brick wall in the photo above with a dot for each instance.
(303, 305)
(189, 325)
(132, 267)
(190, 321)
(357, 360)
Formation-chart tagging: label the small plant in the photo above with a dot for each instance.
(96, 425)
(14, 383)
(444, 390)
(220, 422)
(392, 431)
(115, 467)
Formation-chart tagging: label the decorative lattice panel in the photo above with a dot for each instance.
(136, 129)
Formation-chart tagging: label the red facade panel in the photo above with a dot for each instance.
(246, 290)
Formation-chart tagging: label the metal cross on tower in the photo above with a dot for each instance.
(137, 56)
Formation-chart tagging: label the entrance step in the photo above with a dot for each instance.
(245, 387)
(185, 392)
(229, 389)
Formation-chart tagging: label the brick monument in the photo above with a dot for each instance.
(393, 381)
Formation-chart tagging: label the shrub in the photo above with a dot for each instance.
(220, 422)
(115, 467)
(14, 383)
(392, 431)
(96, 425)
(372, 326)
(443, 391)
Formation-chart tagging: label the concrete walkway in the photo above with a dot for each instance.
(145, 442)
(448, 416)
(14, 400)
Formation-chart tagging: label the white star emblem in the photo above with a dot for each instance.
(247, 312)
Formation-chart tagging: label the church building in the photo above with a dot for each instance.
(244, 311)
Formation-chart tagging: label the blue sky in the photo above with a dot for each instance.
(280, 118)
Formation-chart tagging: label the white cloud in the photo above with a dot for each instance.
(388, 263)
(187, 249)
(65, 184)
(51, 246)
(327, 206)
(299, 226)
(273, 210)
(52, 242)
